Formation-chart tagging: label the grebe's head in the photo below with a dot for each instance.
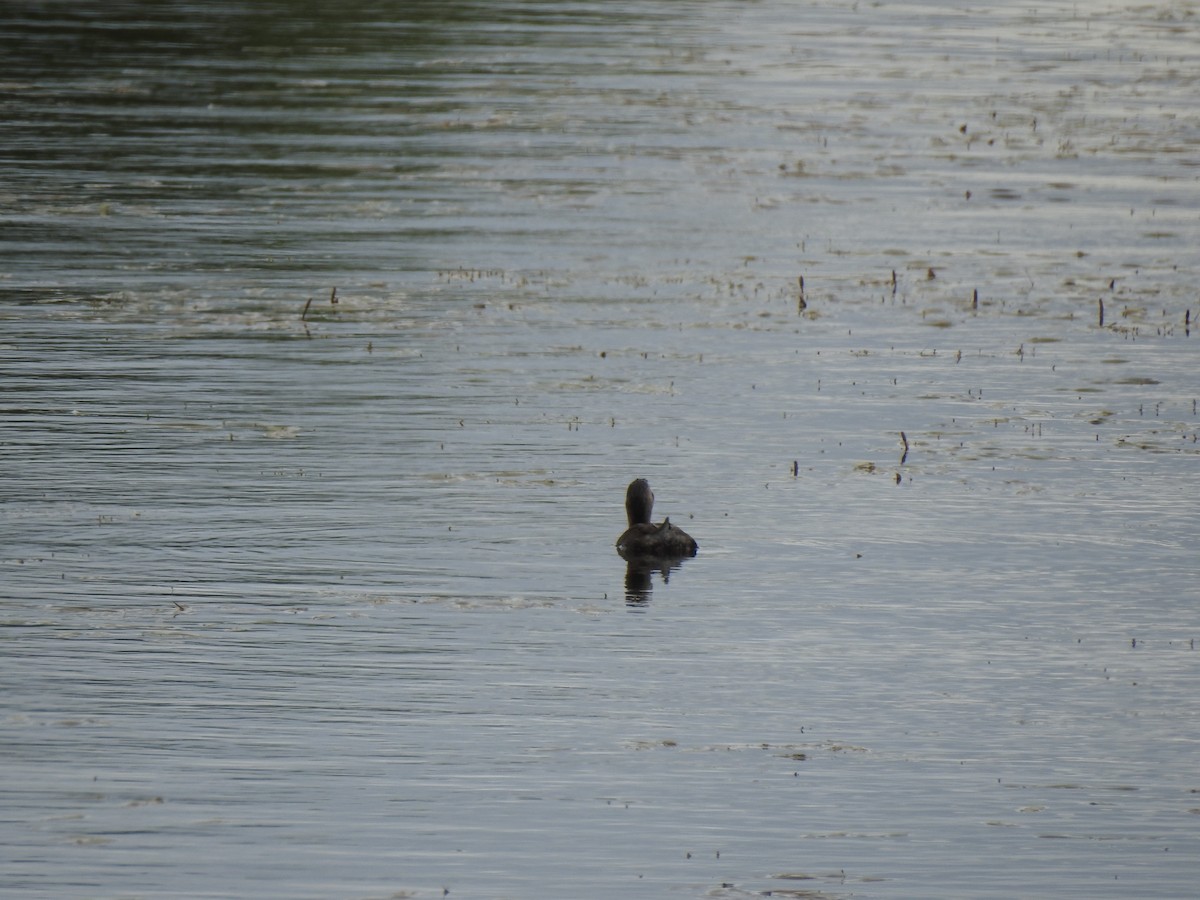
(639, 501)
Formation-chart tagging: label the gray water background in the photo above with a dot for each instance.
(314, 599)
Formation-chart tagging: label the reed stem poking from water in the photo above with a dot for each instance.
(904, 444)
(1100, 302)
(304, 315)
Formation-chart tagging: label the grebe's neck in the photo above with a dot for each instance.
(639, 502)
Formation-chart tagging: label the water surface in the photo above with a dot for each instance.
(309, 598)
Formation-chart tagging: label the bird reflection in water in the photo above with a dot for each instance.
(647, 547)
(638, 577)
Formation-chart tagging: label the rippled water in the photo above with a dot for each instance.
(309, 598)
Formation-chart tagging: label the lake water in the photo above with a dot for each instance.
(318, 599)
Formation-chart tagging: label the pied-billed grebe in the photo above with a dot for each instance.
(643, 538)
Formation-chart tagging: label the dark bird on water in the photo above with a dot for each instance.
(643, 539)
